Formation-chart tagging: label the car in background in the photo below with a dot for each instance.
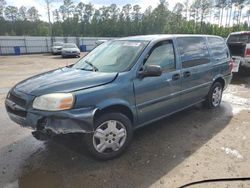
(99, 42)
(57, 48)
(239, 46)
(70, 50)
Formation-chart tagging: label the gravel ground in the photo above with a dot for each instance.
(192, 145)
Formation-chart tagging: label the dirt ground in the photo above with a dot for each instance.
(193, 145)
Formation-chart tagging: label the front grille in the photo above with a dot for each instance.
(20, 113)
(19, 101)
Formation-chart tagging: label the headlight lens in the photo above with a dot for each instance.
(54, 102)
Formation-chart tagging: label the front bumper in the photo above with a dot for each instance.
(56, 51)
(245, 61)
(61, 122)
(70, 54)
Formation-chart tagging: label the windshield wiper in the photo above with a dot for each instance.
(93, 66)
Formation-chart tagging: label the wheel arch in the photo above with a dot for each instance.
(115, 106)
(221, 80)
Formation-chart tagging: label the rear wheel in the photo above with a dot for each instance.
(214, 96)
(111, 136)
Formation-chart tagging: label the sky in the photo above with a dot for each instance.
(40, 5)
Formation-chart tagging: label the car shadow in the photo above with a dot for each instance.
(156, 149)
(60, 57)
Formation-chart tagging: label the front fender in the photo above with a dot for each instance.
(114, 102)
(218, 76)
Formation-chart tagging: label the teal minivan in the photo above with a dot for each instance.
(122, 85)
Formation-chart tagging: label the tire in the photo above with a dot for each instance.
(214, 96)
(104, 143)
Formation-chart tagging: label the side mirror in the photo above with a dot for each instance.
(150, 71)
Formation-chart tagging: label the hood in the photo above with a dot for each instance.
(56, 46)
(63, 80)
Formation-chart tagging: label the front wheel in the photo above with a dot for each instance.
(111, 136)
(214, 96)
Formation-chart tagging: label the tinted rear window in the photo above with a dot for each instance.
(193, 51)
(218, 48)
(244, 38)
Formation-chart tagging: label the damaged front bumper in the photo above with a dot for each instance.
(61, 122)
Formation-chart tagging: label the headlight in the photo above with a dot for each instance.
(54, 102)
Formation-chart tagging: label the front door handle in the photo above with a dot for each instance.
(176, 77)
(186, 74)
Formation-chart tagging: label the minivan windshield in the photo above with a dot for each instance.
(112, 56)
(57, 44)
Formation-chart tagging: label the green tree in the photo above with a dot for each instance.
(68, 7)
(22, 13)
(160, 14)
(11, 13)
(136, 17)
(85, 20)
(56, 15)
(33, 14)
(80, 9)
(221, 5)
(186, 9)
(48, 7)
(178, 10)
(205, 6)
(2, 6)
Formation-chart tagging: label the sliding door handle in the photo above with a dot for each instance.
(186, 74)
(176, 77)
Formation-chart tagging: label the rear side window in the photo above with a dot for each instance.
(243, 38)
(218, 48)
(193, 51)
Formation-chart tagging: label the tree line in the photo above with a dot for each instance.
(219, 17)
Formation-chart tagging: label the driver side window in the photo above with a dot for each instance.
(163, 55)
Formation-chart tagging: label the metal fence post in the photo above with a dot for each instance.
(25, 45)
(0, 49)
(47, 44)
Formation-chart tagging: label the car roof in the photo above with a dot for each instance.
(161, 36)
(240, 33)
